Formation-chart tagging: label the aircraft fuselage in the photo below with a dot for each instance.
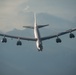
(37, 36)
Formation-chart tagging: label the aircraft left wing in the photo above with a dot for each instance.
(59, 34)
(17, 37)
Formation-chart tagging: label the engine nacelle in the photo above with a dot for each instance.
(19, 43)
(72, 35)
(4, 40)
(58, 40)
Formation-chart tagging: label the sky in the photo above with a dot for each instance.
(17, 13)
(55, 59)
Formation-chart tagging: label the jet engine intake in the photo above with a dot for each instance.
(58, 40)
(4, 40)
(19, 43)
(72, 35)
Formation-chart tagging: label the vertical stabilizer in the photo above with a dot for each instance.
(35, 19)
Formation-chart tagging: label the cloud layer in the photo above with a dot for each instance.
(15, 13)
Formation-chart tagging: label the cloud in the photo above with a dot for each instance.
(10, 6)
(27, 7)
(61, 8)
(10, 14)
(15, 13)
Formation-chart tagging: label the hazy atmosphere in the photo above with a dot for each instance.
(55, 59)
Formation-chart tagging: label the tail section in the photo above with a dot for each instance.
(32, 27)
(39, 26)
(35, 24)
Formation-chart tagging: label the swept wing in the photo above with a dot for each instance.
(18, 37)
(59, 34)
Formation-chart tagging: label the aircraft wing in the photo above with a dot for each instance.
(59, 34)
(17, 37)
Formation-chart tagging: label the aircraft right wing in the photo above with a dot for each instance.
(18, 37)
(59, 34)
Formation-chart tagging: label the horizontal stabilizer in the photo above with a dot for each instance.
(31, 27)
(40, 26)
